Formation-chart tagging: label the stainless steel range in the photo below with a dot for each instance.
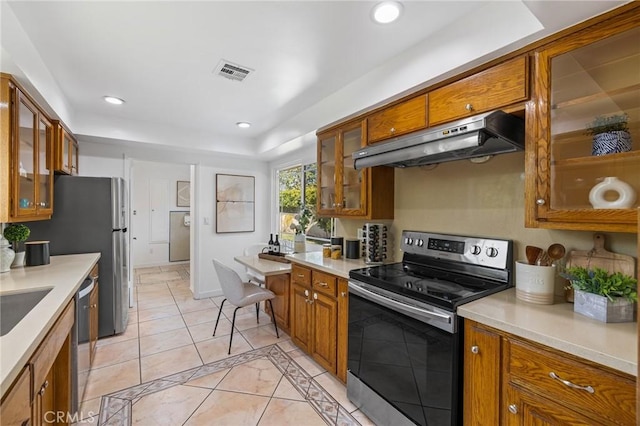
(405, 339)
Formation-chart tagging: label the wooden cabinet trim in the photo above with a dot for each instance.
(15, 408)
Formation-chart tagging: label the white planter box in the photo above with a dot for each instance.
(601, 308)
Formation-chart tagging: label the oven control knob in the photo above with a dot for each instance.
(409, 241)
(420, 242)
(408, 284)
(492, 252)
(476, 250)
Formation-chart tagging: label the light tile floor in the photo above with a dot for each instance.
(168, 369)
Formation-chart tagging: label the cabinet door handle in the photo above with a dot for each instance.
(475, 349)
(343, 294)
(300, 275)
(322, 284)
(513, 408)
(468, 107)
(571, 385)
(540, 202)
(315, 296)
(306, 293)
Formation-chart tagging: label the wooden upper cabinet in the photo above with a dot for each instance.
(588, 74)
(399, 119)
(26, 145)
(344, 191)
(493, 88)
(66, 151)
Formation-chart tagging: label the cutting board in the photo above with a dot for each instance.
(598, 257)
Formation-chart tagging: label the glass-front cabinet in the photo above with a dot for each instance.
(341, 188)
(344, 191)
(28, 141)
(66, 151)
(583, 171)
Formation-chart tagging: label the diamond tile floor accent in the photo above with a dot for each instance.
(167, 368)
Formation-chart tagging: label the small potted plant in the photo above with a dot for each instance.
(604, 296)
(17, 234)
(303, 220)
(610, 134)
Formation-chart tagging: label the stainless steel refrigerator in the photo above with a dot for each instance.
(90, 215)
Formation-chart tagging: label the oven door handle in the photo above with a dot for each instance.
(397, 305)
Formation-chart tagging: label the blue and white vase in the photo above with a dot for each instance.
(611, 142)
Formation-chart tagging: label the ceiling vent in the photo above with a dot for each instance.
(232, 71)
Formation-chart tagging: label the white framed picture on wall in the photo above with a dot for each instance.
(235, 203)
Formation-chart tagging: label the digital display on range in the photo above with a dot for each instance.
(446, 245)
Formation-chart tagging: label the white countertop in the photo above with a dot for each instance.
(611, 344)
(264, 266)
(63, 275)
(339, 267)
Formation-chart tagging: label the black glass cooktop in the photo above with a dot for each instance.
(438, 287)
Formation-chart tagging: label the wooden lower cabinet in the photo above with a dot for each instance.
(482, 376)
(15, 405)
(512, 381)
(318, 317)
(42, 392)
(279, 285)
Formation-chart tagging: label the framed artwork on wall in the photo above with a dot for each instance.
(183, 194)
(235, 203)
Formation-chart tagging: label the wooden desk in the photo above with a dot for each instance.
(276, 277)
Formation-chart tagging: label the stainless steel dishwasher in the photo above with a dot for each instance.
(81, 363)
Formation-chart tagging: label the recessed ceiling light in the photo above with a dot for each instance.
(386, 12)
(243, 124)
(113, 100)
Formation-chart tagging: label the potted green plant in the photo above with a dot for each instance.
(604, 296)
(17, 234)
(610, 134)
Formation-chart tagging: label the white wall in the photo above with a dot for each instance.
(208, 243)
(144, 173)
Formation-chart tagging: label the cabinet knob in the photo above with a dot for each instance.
(540, 201)
(475, 349)
(306, 293)
(513, 408)
(315, 296)
(343, 294)
(392, 130)
(468, 107)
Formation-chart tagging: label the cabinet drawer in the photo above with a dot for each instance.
(46, 354)
(496, 87)
(613, 400)
(405, 117)
(300, 275)
(325, 283)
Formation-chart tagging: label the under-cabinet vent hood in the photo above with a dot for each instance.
(490, 133)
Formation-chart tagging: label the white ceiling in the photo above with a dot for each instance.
(314, 62)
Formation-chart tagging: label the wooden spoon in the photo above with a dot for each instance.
(532, 253)
(556, 251)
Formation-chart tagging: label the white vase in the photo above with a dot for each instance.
(6, 255)
(626, 194)
(299, 245)
(18, 261)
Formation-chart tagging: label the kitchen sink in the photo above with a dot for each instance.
(15, 306)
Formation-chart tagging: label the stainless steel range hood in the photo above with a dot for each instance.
(490, 133)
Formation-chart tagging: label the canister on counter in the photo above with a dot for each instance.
(336, 247)
(326, 250)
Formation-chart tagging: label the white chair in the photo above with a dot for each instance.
(252, 250)
(240, 294)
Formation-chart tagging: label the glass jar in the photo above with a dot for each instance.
(326, 250)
